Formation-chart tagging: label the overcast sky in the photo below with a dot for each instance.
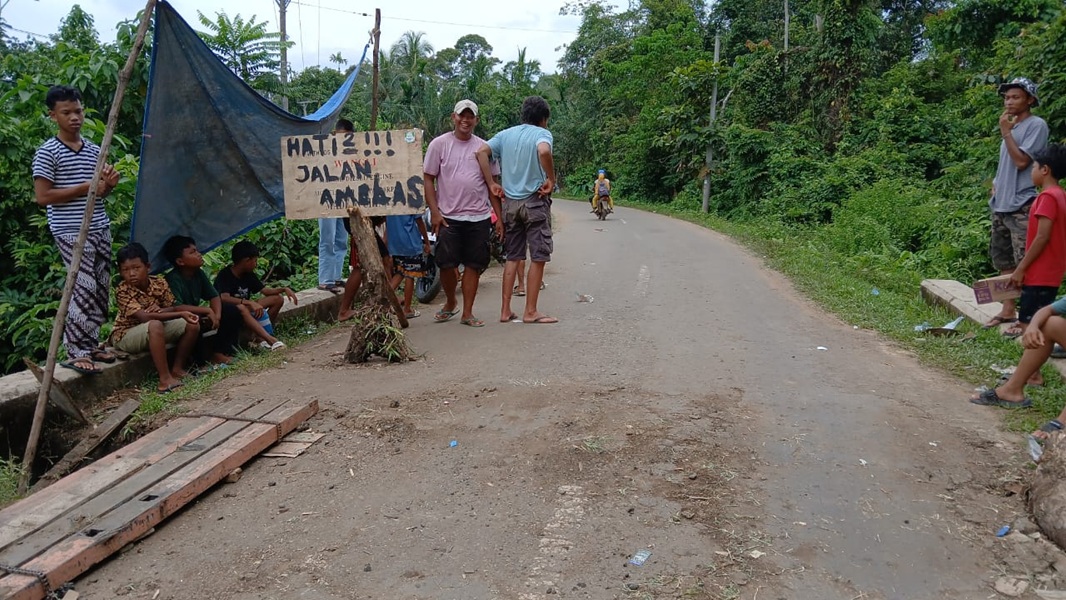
(319, 28)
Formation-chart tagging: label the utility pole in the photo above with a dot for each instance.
(374, 89)
(714, 115)
(786, 25)
(283, 6)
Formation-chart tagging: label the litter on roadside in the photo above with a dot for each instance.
(640, 557)
(1003, 531)
(584, 297)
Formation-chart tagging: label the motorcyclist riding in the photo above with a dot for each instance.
(602, 189)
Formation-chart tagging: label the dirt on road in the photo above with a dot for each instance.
(687, 412)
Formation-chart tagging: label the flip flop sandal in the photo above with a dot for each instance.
(991, 398)
(75, 365)
(413, 314)
(102, 355)
(170, 388)
(516, 292)
(1052, 426)
(997, 320)
(509, 319)
(473, 322)
(444, 315)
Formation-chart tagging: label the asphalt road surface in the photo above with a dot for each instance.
(698, 409)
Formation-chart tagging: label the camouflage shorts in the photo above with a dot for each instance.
(1007, 247)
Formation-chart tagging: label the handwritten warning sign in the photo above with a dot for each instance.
(326, 174)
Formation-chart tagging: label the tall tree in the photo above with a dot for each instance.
(246, 47)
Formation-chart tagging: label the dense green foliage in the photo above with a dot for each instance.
(874, 133)
(872, 138)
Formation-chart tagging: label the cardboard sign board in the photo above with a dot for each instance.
(379, 171)
(995, 289)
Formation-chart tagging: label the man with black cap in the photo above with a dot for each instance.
(1013, 191)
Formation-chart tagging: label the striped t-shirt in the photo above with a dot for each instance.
(65, 168)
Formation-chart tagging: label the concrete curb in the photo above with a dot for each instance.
(18, 391)
(959, 299)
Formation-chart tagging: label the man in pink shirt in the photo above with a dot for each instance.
(460, 209)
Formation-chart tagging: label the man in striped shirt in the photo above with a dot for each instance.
(62, 171)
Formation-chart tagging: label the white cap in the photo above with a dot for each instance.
(462, 105)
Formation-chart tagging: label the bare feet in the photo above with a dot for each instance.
(345, 314)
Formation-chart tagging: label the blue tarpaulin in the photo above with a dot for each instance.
(211, 152)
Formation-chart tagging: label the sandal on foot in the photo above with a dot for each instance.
(509, 319)
(278, 345)
(473, 322)
(1003, 379)
(170, 388)
(78, 364)
(991, 398)
(103, 355)
(518, 293)
(1014, 331)
(444, 315)
(542, 319)
(413, 314)
(998, 320)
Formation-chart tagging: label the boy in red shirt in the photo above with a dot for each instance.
(1039, 273)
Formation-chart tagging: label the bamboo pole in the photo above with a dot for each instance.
(79, 250)
(374, 86)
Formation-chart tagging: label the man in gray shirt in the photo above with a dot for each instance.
(1013, 191)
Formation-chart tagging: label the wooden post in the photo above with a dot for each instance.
(283, 72)
(79, 250)
(374, 88)
(714, 115)
(366, 337)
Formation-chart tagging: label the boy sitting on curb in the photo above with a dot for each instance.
(190, 287)
(237, 284)
(148, 320)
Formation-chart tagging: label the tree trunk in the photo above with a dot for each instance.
(375, 331)
(1047, 494)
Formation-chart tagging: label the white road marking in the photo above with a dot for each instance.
(643, 279)
(554, 547)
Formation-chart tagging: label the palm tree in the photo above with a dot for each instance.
(246, 47)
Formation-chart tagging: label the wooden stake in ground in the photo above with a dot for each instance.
(374, 331)
(79, 249)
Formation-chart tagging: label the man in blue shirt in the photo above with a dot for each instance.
(527, 172)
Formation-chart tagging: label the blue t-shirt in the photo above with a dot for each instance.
(1058, 307)
(404, 238)
(516, 150)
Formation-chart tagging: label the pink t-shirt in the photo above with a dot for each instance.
(461, 191)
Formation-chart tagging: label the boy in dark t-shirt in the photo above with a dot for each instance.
(238, 283)
(191, 286)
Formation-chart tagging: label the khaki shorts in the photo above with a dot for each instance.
(528, 223)
(136, 340)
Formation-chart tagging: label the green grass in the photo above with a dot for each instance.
(840, 287)
(292, 331)
(10, 471)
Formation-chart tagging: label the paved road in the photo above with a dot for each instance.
(698, 408)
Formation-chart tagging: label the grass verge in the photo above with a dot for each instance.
(883, 297)
(293, 331)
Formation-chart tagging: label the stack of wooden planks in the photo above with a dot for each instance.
(55, 535)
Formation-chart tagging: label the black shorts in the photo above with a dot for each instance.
(464, 243)
(1034, 297)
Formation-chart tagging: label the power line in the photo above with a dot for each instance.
(472, 25)
(40, 35)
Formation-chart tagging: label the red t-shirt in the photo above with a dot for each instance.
(1048, 268)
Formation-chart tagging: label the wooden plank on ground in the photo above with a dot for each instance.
(91, 544)
(69, 493)
(128, 489)
(58, 394)
(100, 434)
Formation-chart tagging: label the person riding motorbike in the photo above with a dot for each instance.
(602, 189)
